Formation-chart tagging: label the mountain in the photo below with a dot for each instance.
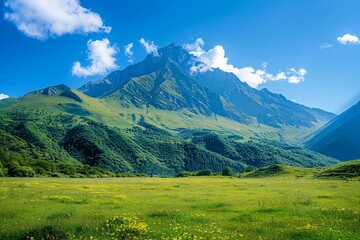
(161, 82)
(154, 117)
(341, 137)
(166, 82)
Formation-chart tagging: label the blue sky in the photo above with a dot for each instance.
(304, 40)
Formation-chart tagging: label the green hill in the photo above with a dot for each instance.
(280, 170)
(342, 171)
(346, 170)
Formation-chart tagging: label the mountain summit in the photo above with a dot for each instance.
(164, 81)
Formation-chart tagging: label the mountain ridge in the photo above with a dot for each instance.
(340, 138)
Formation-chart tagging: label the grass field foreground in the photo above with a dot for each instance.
(179, 208)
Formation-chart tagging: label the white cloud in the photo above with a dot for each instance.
(128, 52)
(150, 47)
(279, 76)
(44, 18)
(101, 54)
(326, 45)
(3, 96)
(296, 76)
(249, 75)
(197, 46)
(215, 58)
(348, 39)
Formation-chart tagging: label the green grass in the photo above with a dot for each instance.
(280, 207)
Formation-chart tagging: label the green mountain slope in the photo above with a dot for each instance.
(53, 126)
(260, 154)
(268, 108)
(169, 89)
(341, 137)
(61, 125)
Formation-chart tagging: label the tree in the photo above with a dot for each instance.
(227, 171)
(205, 172)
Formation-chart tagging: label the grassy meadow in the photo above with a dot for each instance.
(179, 208)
